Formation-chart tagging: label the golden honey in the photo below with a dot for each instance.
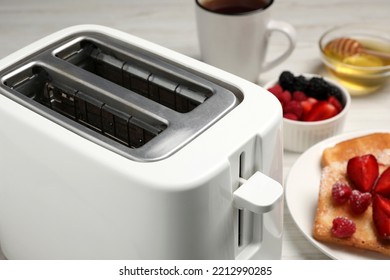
(362, 71)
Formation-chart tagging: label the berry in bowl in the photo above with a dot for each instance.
(314, 108)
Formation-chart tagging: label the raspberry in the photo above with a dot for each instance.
(359, 201)
(299, 95)
(293, 107)
(341, 192)
(290, 116)
(343, 227)
(276, 89)
(284, 97)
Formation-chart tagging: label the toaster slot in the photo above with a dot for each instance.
(59, 99)
(115, 123)
(136, 78)
(163, 87)
(86, 109)
(118, 94)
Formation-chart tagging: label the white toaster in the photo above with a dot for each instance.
(116, 148)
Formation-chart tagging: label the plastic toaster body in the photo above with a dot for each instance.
(116, 148)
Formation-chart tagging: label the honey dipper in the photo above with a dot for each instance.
(347, 47)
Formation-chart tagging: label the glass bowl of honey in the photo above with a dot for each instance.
(358, 56)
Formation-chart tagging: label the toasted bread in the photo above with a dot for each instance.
(334, 162)
(369, 144)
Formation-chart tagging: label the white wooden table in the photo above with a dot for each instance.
(171, 23)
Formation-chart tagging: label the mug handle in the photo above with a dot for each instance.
(290, 33)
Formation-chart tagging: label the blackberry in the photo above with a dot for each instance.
(336, 92)
(318, 88)
(301, 83)
(287, 81)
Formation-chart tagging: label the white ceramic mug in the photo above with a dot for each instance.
(234, 35)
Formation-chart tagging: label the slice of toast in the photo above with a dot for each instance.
(369, 144)
(334, 162)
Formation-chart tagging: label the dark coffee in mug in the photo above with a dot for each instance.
(234, 7)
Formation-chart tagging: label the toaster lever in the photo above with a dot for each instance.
(258, 194)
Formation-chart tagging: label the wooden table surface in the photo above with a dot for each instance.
(171, 23)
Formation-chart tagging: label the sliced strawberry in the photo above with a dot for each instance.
(312, 100)
(335, 102)
(381, 216)
(307, 105)
(321, 111)
(363, 171)
(382, 186)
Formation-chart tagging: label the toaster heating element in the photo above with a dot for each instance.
(116, 148)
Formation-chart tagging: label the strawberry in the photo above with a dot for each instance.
(363, 171)
(336, 103)
(381, 216)
(382, 186)
(321, 111)
(359, 201)
(307, 105)
(312, 100)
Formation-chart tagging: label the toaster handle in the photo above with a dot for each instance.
(258, 194)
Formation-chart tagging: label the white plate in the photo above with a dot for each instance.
(302, 187)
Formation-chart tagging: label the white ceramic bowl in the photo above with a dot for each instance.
(301, 135)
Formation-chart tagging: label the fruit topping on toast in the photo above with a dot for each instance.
(381, 216)
(354, 199)
(343, 227)
(363, 171)
(341, 192)
(382, 186)
(359, 201)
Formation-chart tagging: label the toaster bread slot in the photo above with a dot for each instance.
(59, 99)
(122, 96)
(86, 109)
(107, 66)
(114, 124)
(163, 87)
(164, 90)
(136, 78)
